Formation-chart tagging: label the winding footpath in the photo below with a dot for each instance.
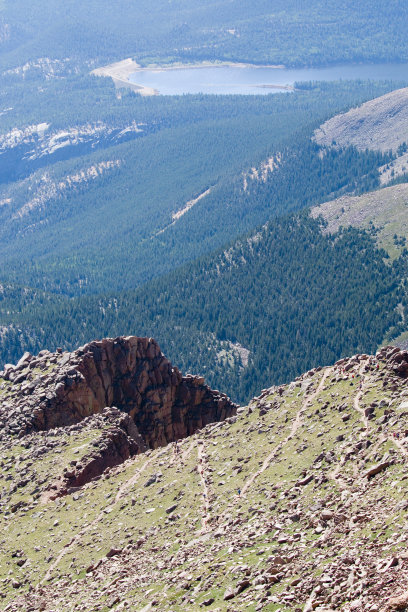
(295, 426)
(123, 490)
(202, 460)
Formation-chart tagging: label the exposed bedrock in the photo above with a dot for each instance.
(129, 373)
(118, 441)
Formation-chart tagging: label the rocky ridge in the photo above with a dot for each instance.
(132, 374)
(40, 140)
(380, 124)
(296, 503)
(47, 188)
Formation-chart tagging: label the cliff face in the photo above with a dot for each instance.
(131, 374)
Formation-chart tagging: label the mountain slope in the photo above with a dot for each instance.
(276, 32)
(122, 174)
(378, 124)
(383, 212)
(288, 294)
(298, 502)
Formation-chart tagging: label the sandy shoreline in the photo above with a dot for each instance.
(120, 73)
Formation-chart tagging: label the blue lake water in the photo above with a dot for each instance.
(256, 80)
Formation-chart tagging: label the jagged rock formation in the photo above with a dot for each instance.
(132, 374)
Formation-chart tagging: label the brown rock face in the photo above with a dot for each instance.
(397, 360)
(129, 373)
(116, 444)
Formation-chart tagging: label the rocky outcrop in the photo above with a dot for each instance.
(396, 358)
(117, 443)
(132, 374)
(297, 502)
(397, 603)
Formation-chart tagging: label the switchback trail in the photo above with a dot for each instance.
(357, 398)
(295, 426)
(123, 489)
(181, 455)
(202, 459)
(400, 446)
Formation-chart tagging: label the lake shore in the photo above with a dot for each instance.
(180, 66)
(120, 73)
(258, 79)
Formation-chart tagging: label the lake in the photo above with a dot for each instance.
(256, 80)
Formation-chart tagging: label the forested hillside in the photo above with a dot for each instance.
(97, 216)
(288, 294)
(178, 216)
(252, 240)
(152, 157)
(279, 32)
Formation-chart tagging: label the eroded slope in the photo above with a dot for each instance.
(298, 502)
(380, 124)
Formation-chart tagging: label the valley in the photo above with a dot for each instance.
(161, 224)
(169, 151)
(232, 198)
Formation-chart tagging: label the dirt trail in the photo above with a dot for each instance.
(202, 460)
(181, 456)
(123, 489)
(188, 450)
(334, 475)
(400, 446)
(359, 395)
(358, 408)
(295, 426)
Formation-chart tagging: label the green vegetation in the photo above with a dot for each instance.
(88, 246)
(383, 213)
(245, 288)
(186, 145)
(289, 294)
(179, 543)
(291, 305)
(279, 32)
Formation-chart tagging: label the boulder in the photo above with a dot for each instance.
(376, 469)
(399, 602)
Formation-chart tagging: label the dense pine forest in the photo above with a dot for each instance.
(289, 32)
(104, 257)
(185, 217)
(186, 145)
(290, 295)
